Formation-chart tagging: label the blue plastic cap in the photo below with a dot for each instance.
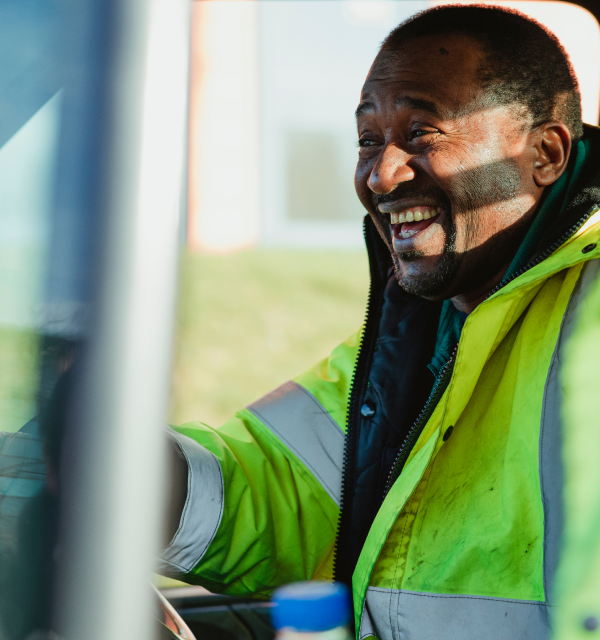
(311, 606)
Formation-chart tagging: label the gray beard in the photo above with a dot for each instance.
(434, 283)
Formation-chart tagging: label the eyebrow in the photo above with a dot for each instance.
(408, 101)
(364, 108)
(420, 104)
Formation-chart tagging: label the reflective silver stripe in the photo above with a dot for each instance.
(299, 420)
(202, 511)
(550, 452)
(393, 614)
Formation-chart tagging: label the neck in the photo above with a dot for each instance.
(467, 302)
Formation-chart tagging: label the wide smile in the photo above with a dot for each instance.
(410, 224)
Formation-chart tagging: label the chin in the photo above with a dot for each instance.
(422, 288)
(432, 284)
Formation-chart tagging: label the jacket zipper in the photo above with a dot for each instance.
(566, 235)
(446, 371)
(374, 302)
(437, 391)
(415, 431)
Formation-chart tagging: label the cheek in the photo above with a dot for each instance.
(361, 177)
(444, 166)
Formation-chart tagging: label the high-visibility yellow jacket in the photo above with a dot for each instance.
(448, 512)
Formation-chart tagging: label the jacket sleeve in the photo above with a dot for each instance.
(264, 489)
(577, 580)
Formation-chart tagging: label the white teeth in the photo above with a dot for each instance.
(421, 213)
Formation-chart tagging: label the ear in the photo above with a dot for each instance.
(552, 143)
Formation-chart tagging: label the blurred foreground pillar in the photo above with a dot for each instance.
(112, 470)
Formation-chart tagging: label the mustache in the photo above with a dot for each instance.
(412, 192)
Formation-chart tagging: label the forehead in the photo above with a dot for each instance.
(440, 70)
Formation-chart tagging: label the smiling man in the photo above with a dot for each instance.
(453, 159)
(421, 461)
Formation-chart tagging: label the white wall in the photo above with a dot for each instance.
(224, 204)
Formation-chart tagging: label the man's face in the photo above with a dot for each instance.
(447, 180)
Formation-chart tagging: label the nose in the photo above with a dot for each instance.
(391, 169)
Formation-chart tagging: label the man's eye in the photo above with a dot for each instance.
(365, 142)
(419, 133)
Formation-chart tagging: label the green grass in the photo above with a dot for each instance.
(249, 321)
(19, 359)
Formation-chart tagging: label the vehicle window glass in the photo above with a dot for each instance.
(44, 283)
